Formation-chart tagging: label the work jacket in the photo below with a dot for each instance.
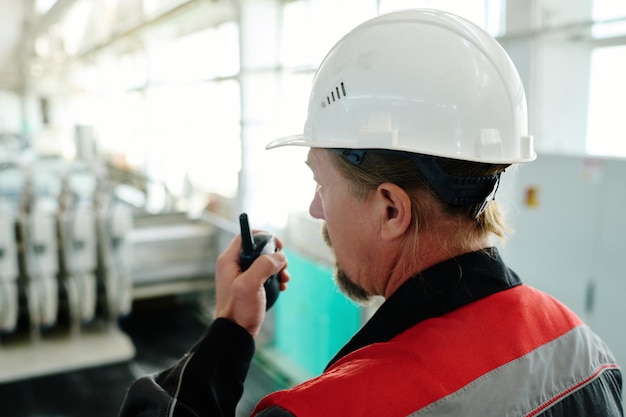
(463, 338)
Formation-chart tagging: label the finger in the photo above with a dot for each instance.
(267, 265)
(283, 284)
(283, 279)
(279, 243)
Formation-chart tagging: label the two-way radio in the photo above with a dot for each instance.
(253, 246)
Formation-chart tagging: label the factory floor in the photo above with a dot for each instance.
(161, 331)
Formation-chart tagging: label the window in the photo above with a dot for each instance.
(194, 137)
(311, 28)
(203, 55)
(610, 16)
(606, 133)
(170, 110)
(484, 13)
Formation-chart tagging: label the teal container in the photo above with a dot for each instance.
(313, 320)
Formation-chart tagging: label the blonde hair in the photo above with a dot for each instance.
(376, 169)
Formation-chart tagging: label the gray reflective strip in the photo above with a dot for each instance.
(531, 383)
(174, 400)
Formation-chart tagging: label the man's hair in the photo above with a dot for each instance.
(376, 169)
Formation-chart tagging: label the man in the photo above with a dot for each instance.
(413, 117)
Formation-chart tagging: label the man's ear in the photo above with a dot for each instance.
(393, 207)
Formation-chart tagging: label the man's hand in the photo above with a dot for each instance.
(240, 296)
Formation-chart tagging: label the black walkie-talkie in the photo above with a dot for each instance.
(252, 246)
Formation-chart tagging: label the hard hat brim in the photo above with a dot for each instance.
(293, 140)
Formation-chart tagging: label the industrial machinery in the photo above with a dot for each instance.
(73, 258)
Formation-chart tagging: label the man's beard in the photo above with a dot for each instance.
(351, 289)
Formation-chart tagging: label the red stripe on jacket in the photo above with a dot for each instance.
(432, 359)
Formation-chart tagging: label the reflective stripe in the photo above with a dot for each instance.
(174, 400)
(532, 383)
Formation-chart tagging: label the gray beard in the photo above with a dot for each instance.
(351, 289)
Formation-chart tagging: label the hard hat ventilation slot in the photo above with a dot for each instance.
(335, 95)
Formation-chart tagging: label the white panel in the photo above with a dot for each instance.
(571, 244)
(609, 309)
(552, 245)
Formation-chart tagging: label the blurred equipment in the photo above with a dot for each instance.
(75, 254)
(52, 314)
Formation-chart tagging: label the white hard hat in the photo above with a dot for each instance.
(420, 81)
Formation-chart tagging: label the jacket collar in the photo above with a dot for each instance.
(438, 290)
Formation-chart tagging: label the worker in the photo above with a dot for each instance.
(413, 117)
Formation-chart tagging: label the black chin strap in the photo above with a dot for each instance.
(454, 190)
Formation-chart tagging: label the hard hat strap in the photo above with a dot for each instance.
(454, 190)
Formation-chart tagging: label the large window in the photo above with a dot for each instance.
(485, 13)
(163, 99)
(606, 133)
(193, 103)
(172, 100)
(610, 18)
